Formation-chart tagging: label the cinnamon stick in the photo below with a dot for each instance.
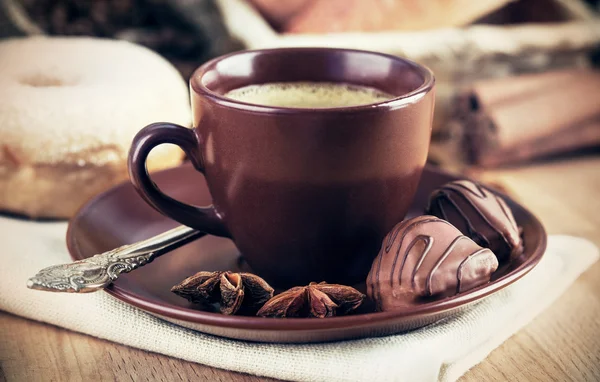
(520, 118)
(584, 136)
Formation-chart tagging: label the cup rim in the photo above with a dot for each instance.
(389, 104)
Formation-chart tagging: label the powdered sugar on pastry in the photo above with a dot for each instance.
(76, 103)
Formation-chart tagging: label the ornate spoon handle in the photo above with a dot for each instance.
(99, 271)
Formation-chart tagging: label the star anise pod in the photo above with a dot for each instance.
(235, 292)
(315, 300)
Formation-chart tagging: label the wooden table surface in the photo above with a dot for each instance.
(561, 344)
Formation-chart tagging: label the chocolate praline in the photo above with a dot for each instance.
(426, 257)
(480, 214)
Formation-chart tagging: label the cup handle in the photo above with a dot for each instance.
(201, 218)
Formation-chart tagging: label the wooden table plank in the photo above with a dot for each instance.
(562, 344)
(31, 351)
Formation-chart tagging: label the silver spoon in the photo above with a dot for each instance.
(99, 271)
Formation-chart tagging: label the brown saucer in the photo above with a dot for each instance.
(120, 217)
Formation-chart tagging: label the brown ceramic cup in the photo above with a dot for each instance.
(305, 194)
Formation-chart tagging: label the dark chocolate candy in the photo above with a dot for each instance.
(480, 214)
(426, 257)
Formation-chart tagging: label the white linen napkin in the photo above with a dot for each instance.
(440, 352)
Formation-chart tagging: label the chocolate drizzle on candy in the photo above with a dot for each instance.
(479, 214)
(426, 257)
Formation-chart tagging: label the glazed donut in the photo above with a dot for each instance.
(69, 109)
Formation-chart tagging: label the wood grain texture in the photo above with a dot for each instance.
(562, 344)
(32, 351)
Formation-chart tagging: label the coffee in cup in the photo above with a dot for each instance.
(311, 156)
(308, 94)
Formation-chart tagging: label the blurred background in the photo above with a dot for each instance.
(515, 77)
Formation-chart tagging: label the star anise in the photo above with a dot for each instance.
(315, 300)
(235, 292)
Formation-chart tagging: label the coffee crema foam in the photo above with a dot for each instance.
(308, 94)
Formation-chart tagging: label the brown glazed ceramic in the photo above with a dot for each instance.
(306, 194)
(120, 217)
